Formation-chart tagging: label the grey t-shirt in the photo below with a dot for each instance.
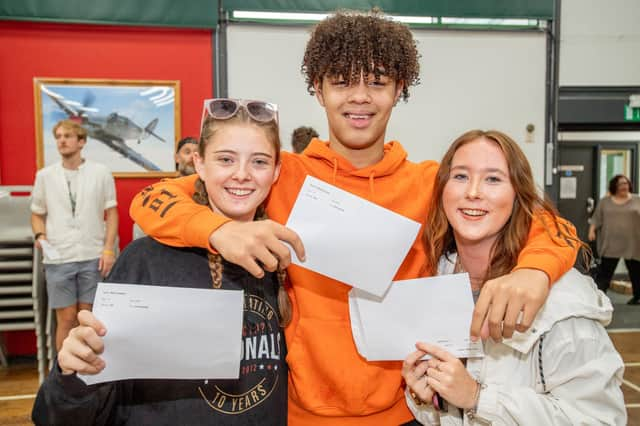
(618, 228)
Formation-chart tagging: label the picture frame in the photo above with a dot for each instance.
(133, 125)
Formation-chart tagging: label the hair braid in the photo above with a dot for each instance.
(201, 197)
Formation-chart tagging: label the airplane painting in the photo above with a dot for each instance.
(134, 126)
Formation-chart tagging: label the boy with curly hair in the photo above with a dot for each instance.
(358, 65)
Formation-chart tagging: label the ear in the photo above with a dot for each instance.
(175, 158)
(198, 163)
(276, 172)
(317, 87)
(399, 88)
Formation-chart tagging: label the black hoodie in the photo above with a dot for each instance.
(259, 396)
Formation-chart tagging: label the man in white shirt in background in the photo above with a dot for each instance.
(75, 216)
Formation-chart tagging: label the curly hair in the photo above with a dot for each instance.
(350, 43)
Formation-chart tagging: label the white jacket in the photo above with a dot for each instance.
(582, 371)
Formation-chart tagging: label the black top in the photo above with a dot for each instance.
(259, 396)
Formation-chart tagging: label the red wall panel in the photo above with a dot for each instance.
(29, 50)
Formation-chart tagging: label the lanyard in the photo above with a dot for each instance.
(72, 199)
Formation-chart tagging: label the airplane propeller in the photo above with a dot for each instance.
(89, 99)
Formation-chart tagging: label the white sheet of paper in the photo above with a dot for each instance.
(434, 310)
(348, 238)
(168, 332)
(49, 251)
(568, 188)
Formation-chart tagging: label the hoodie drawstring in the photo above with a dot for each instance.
(371, 175)
(335, 174)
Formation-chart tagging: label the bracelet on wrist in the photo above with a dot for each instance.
(471, 412)
(38, 235)
(109, 252)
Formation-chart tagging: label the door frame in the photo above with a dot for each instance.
(604, 141)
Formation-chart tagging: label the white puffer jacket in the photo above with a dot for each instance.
(563, 371)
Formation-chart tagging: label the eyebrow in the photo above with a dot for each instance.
(486, 170)
(230, 151)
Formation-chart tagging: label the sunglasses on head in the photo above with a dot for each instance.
(225, 108)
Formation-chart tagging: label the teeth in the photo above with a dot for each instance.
(474, 212)
(239, 192)
(358, 116)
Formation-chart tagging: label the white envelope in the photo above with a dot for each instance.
(348, 238)
(436, 310)
(168, 332)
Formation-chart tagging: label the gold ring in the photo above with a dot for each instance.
(415, 398)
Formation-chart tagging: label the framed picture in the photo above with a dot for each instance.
(133, 126)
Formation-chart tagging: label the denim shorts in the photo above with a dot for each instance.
(72, 282)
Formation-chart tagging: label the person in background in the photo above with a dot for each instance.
(70, 201)
(301, 137)
(329, 382)
(184, 155)
(237, 161)
(565, 371)
(616, 226)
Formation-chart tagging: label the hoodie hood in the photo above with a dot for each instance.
(394, 156)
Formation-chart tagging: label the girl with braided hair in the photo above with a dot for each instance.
(237, 161)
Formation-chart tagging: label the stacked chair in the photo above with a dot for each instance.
(23, 301)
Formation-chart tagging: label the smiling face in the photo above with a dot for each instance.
(358, 112)
(478, 197)
(238, 168)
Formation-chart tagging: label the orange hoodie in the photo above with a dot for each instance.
(329, 382)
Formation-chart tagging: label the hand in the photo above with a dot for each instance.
(247, 243)
(448, 376)
(592, 235)
(414, 372)
(106, 263)
(502, 299)
(80, 350)
(37, 242)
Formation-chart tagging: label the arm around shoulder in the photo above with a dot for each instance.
(167, 212)
(552, 247)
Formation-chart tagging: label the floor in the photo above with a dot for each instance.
(19, 382)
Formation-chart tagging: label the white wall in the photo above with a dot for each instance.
(600, 46)
(600, 43)
(469, 80)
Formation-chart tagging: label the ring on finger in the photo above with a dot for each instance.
(416, 398)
